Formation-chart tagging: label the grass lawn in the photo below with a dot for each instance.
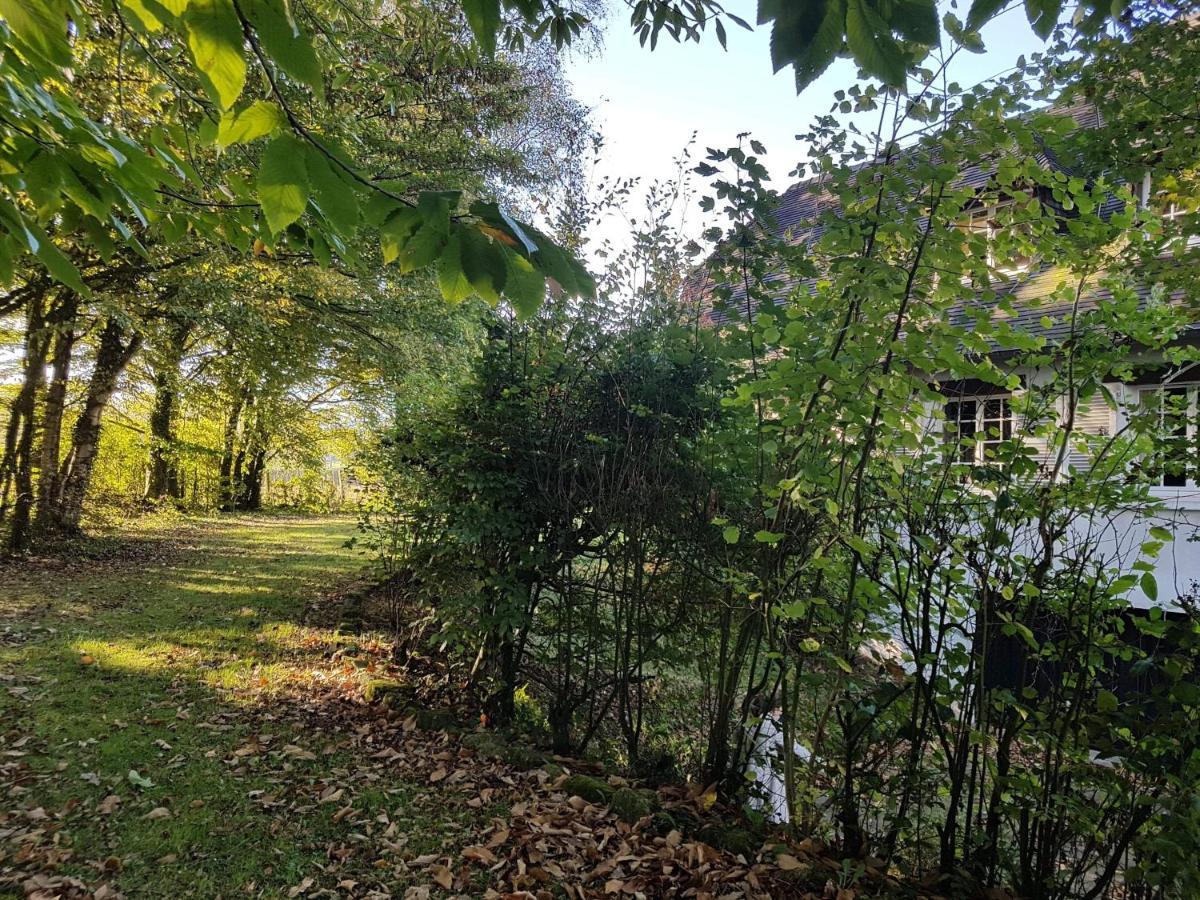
(171, 726)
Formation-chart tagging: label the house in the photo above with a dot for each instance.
(976, 416)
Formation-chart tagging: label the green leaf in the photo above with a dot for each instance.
(916, 20)
(552, 260)
(484, 18)
(396, 230)
(1106, 702)
(1043, 15)
(259, 119)
(283, 182)
(284, 41)
(870, 41)
(151, 15)
(428, 240)
(483, 263)
(823, 46)
(1149, 586)
(731, 534)
(982, 11)
(451, 279)
(41, 25)
(214, 36)
(334, 195)
(524, 286)
(58, 265)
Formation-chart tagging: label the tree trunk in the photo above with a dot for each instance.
(164, 479)
(16, 466)
(252, 493)
(55, 405)
(227, 487)
(66, 509)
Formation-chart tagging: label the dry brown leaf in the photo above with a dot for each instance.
(442, 876)
(108, 805)
(437, 774)
(300, 888)
(159, 812)
(787, 863)
(483, 854)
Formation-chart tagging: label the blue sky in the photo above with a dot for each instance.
(648, 104)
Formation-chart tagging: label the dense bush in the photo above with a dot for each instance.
(662, 532)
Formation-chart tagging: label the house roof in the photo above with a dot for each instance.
(1034, 313)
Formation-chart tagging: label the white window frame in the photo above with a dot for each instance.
(982, 440)
(1191, 477)
(981, 219)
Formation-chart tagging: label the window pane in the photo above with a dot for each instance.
(1176, 459)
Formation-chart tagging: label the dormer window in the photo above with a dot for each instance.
(993, 220)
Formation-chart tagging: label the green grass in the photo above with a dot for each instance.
(181, 652)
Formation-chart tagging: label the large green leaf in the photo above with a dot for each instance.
(524, 286)
(807, 36)
(151, 15)
(214, 36)
(286, 43)
(553, 261)
(982, 11)
(283, 182)
(334, 195)
(260, 119)
(1043, 15)
(429, 238)
(871, 43)
(396, 230)
(916, 20)
(484, 18)
(41, 25)
(452, 280)
(483, 264)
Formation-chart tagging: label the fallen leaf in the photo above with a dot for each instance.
(108, 805)
(483, 854)
(787, 863)
(437, 775)
(159, 812)
(442, 876)
(300, 888)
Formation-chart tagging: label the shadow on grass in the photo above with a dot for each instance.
(184, 658)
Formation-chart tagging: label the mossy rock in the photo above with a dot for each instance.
(491, 746)
(552, 769)
(436, 720)
(385, 690)
(521, 757)
(663, 823)
(685, 820)
(651, 798)
(730, 839)
(630, 805)
(486, 744)
(593, 790)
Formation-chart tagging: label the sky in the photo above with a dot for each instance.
(648, 104)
